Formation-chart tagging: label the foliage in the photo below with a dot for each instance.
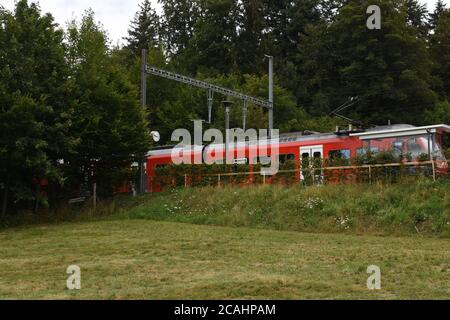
(35, 118)
(69, 115)
(111, 124)
(144, 30)
(440, 53)
(379, 208)
(440, 115)
(436, 14)
(355, 170)
(69, 102)
(178, 21)
(215, 37)
(388, 69)
(447, 153)
(416, 16)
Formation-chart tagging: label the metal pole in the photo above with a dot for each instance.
(429, 146)
(95, 195)
(270, 95)
(227, 130)
(244, 116)
(142, 186)
(210, 105)
(227, 105)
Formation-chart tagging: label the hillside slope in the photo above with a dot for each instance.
(409, 208)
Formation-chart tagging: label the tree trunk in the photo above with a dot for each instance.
(5, 199)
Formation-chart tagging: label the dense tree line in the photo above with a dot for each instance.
(324, 55)
(68, 114)
(69, 101)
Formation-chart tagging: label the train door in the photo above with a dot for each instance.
(311, 164)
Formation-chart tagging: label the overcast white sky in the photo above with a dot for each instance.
(114, 14)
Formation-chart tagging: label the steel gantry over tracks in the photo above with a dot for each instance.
(211, 88)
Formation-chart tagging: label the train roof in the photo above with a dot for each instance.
(305, 136)
(400, 131)
(285, 137)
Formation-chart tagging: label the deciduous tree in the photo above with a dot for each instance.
(109, 120)
(35, 114)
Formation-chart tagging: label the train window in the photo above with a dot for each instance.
(363, 151)
(286, 157)
(317, 155)
(262, 160)
(305, 155)
(414, 148)
(339, 154)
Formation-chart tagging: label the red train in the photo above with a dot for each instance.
(346, 144)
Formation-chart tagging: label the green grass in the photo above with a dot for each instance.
(139, 259)
(268, 242)
(410, 208)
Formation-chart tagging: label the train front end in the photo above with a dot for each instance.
(414, 144)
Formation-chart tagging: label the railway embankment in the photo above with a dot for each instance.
(412, 207)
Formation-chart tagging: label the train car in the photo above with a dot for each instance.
(304, 147)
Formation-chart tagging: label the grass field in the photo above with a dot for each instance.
(144, 259)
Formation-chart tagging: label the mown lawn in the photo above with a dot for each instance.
(143, 259)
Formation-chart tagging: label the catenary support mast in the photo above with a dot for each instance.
(142, 180)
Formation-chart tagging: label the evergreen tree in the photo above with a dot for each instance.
(436, 14)
(179, 19)
(213, 44)
(294, 17)
(274, 28)
(440, 52)
(329, 8)
(250, 48)
(286, 21)
(417, 15)
(144, 29)
(389, 69)
(317, 70)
